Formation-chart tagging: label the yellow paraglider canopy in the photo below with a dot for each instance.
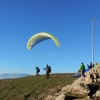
(39, 37)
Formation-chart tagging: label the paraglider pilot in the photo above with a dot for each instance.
(48, 70)
(37, 70)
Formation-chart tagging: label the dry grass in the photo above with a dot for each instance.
(32, 86)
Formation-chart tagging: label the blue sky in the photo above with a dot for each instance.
(69, 20)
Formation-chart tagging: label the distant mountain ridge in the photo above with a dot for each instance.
(13, 75)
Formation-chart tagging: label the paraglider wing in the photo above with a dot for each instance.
(39, 37)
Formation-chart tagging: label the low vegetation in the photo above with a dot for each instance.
(32, 86)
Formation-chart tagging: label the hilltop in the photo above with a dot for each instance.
(29, 87)
(60, 86)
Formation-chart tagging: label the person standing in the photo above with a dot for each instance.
(48, 70)
(90, 66)
(37, 70)
(82, 68)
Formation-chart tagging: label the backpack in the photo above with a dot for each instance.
(49, 69)
(38, 70)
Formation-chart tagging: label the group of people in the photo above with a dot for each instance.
(48, 70)
(83, 69)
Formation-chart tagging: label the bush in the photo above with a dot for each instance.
(79, 71)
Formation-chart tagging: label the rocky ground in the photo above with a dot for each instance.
(86, 87)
